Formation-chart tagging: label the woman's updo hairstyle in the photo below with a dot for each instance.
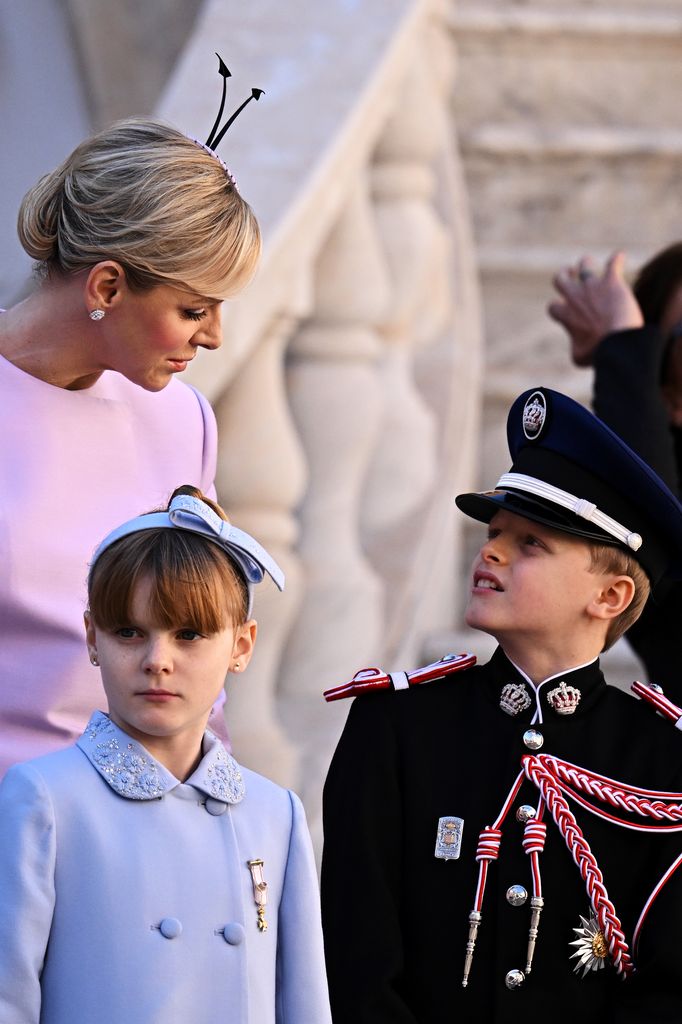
(143, 194)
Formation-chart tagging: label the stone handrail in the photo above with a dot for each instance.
(347, 389)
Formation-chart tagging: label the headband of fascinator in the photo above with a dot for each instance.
(217, 132)
(186, 512)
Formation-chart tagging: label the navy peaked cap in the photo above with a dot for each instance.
(570, 471)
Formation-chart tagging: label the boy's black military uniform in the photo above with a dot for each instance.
(397, 917)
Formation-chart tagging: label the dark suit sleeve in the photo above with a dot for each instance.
(653, 992)
(362, 870)
(627, 397)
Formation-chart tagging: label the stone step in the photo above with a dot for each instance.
(517, 66)
(516, 285)
(543, 261)
(571, 140)
(575, 189)
(586, 18)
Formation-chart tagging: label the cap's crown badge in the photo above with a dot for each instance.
(534, 415)
(514, 698)
(564, 699)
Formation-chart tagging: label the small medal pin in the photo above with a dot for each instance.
(260, 891)
(449, 838)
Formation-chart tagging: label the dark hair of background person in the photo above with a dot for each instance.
(656, 281)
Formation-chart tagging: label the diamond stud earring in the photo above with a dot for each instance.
(97, 314)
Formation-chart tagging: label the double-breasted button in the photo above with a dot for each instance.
(234, 933)
(170, 928)
(533, 739)
(214, 806)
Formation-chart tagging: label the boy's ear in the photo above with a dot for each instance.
(242, 648)
(614, 597)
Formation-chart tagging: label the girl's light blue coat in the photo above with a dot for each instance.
(125, 895)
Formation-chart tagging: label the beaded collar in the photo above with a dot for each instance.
(132, 772)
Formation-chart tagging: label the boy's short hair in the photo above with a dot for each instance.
(194, 582)
(607, 558)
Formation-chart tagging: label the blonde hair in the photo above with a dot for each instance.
(608, 559)
(142, 193)
(194, 583)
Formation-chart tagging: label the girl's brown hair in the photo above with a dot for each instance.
(194, 583)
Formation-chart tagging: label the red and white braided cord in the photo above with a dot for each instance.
(580, 850)
(534, 836)
(660, 805)
(488, 848)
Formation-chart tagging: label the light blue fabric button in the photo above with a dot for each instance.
(214, 806)
(170, 928)
(234, 933)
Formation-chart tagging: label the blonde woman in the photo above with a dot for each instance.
(139, 236)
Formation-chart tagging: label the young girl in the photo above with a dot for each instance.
(144, 875)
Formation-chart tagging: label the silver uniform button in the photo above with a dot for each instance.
(516, 895)
(533, 739)
(524, 813)
(514, 978)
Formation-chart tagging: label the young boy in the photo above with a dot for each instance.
(489, 853)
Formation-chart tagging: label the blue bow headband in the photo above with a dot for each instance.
(195, 516)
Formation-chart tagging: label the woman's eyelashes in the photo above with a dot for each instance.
(194, 314)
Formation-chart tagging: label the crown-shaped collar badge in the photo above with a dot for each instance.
(564, 699)
(514, 698)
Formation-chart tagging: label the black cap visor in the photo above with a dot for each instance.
(483, 506)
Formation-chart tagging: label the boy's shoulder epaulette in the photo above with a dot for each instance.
(653, 694)
(370, 679)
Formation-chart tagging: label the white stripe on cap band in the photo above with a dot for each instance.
(400, 680)
(579, 506)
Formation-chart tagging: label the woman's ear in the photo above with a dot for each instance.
(104, 285)
(614, 597)
(242, 648)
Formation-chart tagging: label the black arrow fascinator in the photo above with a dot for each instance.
(217, 133)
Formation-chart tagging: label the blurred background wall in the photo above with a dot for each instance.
(409, 158)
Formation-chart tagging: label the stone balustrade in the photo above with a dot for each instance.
(348, 386)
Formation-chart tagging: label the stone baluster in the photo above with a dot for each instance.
(336, 399)
(404, 470)
(261, 478)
